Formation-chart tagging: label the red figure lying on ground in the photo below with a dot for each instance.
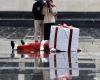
(36, 46)
(32, 47)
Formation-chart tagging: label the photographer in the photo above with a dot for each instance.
(49, 11)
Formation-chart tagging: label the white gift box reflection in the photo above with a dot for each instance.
(60, 65)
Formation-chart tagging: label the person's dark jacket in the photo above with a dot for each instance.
(37, 10)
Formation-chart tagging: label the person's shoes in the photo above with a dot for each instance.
(12, 55)
(22, 56)
(22, 42)
(12, 44)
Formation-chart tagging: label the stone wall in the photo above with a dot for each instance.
(62, 5)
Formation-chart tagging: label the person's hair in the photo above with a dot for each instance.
(50, 0)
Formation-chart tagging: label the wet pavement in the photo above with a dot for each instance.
(89, 63)
(21, 68)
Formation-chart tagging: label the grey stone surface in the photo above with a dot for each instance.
(89, 60)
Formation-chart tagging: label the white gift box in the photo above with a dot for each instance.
(64, 39)
(63, 64)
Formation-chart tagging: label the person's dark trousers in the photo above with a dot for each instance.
(47, 28)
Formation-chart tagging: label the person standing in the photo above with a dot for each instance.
(38, 19)
(49, 12)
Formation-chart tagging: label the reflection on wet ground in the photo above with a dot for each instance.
(21, 67)
(13, 68)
